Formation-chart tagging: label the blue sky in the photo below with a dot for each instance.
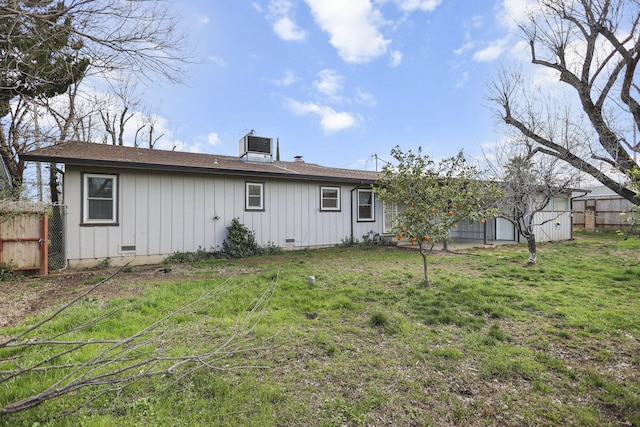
(338, 81)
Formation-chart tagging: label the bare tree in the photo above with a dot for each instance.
(529, 184)
(121, 362)
(593, 46)
(150, 123)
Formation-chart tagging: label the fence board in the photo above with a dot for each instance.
(606, 211)
(23, 240)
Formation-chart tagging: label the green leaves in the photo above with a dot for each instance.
(39, 55)
(433, 197)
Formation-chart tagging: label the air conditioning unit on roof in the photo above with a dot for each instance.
(257, 149)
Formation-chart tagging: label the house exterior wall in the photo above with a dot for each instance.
(555, 223)
(553, 226)
(160, 213)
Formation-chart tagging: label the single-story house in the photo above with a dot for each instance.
(127, 203)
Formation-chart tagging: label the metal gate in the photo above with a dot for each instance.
(57, 237)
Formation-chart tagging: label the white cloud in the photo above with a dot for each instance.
(475, 23)
(213, 139)
(203, 19)
(464, 48)
(288, 79)
(365, 98)
(513, 12)
(256, 6)
(287, 30)
(491, 52)
(547, 79)
(353, 27)
(329, 83)
(521, 51)
(282, 17)
(413, 5)
(464, 78)
(202, 144)
(396, 59)
(218, 61)
(330, 119)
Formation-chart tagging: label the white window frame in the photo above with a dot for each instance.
(335, 208)
(247, 205)
(372, 218)
(86, 200)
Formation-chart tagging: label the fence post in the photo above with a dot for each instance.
(44, 245)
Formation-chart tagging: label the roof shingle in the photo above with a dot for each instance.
(92, 154)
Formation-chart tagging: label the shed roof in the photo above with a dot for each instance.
(105, 155)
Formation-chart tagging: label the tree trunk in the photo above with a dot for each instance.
(531, 244)
(427, 282)
(53, 183)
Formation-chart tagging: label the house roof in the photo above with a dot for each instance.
(599, 192)
(105, 155)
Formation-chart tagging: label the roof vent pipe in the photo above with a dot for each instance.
(298, 159)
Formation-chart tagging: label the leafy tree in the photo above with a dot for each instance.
(39, 54)
(431, 198)
(593, 46)
(38, 57)
(48, 46)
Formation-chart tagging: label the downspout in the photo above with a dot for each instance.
(351, 193)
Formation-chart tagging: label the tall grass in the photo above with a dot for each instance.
(492, 343)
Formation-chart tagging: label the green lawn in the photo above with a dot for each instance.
(491, 343)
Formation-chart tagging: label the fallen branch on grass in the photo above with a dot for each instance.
(121, 363)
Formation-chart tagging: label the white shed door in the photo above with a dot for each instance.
(504, 230)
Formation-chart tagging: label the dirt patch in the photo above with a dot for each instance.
(23, 297)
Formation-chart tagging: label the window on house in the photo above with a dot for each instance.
(254, 196)
(560, 204)
(99, 199)
(365, 205)
(329, 198)
(557, 204)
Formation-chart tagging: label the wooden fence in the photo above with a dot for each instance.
(601, 213)
(24, 237)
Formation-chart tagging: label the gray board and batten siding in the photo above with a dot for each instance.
(169, 201)
(160, 202)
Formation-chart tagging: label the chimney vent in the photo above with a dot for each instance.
(298, 159)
